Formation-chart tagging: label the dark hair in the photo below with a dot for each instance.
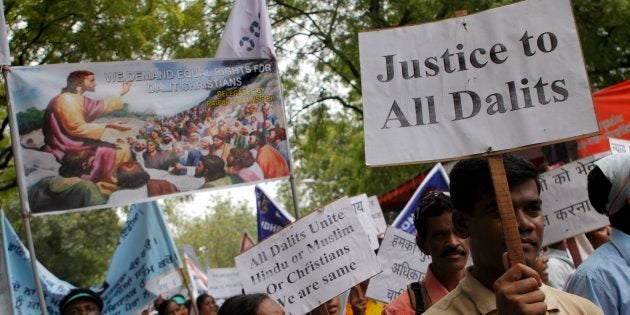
(433, 204)
(471, 179)
(131, 175)
(80, 294)
(203, 297)
(213, 168)
(598, 187)
(246, 304)
(162, 309)
(281, 133)
(260, 139)
(72, 163)
(242, 157)
(75, 79)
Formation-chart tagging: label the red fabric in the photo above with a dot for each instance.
(612, 108)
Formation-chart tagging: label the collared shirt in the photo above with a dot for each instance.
(402, 304)
(560, 267)
(472, 297)
(604, 278)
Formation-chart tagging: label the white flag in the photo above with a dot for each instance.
(5, 56)
(247, 33)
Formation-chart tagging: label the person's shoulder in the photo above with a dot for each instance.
(595, 265)
(570, 303)
(400, 305)
(450, 302)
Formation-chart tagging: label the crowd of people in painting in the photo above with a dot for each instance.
(465, 222)
(224, 150)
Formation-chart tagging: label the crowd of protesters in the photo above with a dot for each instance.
(452, 226)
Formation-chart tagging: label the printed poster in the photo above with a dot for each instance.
(95, 135)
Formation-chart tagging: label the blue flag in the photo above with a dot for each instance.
(144, 264)
(20, 277)
(437, 179)
(271, 218)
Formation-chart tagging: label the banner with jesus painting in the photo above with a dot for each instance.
(95, 135)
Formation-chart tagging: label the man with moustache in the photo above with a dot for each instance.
(491, 286)
(448, 252)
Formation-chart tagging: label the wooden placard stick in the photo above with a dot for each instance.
(504, 201)
(506, 210)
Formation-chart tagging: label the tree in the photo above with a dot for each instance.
(323, 35)
(77, 247)
(220, 230)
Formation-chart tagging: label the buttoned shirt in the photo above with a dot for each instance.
(604, 278)
(472, 297)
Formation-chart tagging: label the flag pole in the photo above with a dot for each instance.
(194, 305)
(26, 212)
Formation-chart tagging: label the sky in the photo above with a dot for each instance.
(198, 206)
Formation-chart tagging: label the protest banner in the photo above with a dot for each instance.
(613, 115)
(619, 145)
(223, 283)
(466, 90)
(271, 217)
(310, 261)
(79, 140)
(566, 208)
(436, 179)
(361, 206)
(19, 274)
(376, 212)
(145, 253)
(402, 262)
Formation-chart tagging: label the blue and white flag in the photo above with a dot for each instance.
(145, 263)
(20, 278)
(271, 217)
(437, 179)
(198, 278)
(247, 33)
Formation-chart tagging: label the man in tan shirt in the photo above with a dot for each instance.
(490, 286)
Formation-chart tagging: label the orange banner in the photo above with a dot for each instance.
(612, 107)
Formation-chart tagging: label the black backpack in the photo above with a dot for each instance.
(417, 296)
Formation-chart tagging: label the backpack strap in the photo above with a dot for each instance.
(417, 296)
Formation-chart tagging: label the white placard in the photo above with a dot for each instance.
(223, 283)
(566, 209)
(619, 145)
(497, 80)
(402, 262)
(312, 260)
(361, 206)
(377, 215)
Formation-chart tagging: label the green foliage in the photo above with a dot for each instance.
(76, 247)
(30, 120)
(220, 231)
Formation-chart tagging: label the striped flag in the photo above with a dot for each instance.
(437, 179)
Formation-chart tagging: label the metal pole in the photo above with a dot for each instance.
(26, 212)
(293, 188)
